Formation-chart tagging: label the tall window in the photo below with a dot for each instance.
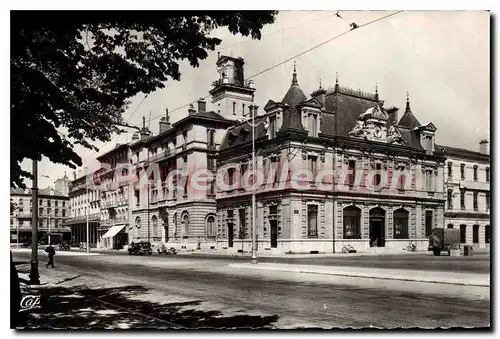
(351, 170)
(401, 224)
(137, 197)
(450, 199)
(311, 162)
(462, 199)
(475, 172)
(352, 222)
(211, 231)
(243, 224)
(272, 127)
(234, 108)
(463, 234)
(242, 109)
(243, 169)
(313, 125)
(377, 177)
(428, 180)
(450, 170)
(475, 234)
(211, 138)
(401, 179)
(462, 171)
(475, 200)
(154, 224)
(487, 234)
(312, 220)
(429, 223)
(185, 220)
(274, 168)
(487, 170)
(428, 140)
(487, 200)
(230, 173)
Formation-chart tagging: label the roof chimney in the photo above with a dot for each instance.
(202, 105)
(164, 122)
(191, 110)
(483, 147)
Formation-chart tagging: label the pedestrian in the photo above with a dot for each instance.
(51, 252)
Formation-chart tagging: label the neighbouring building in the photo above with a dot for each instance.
(337, 129)
(185, 216)
(115, 197)
(84, 205)
(62, 185)
(467, 187)
(53, 211)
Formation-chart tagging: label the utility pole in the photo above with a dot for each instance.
(254, 238)
(34, 275)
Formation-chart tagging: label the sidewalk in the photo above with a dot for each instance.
(453, 278)
(58, 253)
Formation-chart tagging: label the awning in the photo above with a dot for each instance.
(113, 231)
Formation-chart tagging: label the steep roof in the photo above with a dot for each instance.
(293, 97)
(463, 153)
(348, 105)
(408, 119)
(242, 133)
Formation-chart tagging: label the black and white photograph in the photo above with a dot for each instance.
(246, 170)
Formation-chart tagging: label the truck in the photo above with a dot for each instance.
(443, 239)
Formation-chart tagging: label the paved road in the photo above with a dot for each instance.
(479, 263)
(285, 303)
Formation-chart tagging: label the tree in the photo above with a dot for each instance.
(78, 70)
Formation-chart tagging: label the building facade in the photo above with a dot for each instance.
(336, 131)
(467, 187)
(84, 205)
(62, 185)
(53, 212)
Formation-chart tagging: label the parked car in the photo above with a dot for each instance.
(443, 239)
(140, 248)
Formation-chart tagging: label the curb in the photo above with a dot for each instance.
(355, 275)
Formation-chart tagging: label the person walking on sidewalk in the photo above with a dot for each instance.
(51, 252)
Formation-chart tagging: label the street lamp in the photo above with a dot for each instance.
(253, 110)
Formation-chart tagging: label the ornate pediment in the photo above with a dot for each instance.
(376, 130)
(394, 136)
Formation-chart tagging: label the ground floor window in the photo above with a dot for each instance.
(487, 234)
(475, 234)
(185, 220)
(401, 224)
(312, 220)
(429, 221)
(211, 227)
(450, 225)
(352, 223)
(463, 233)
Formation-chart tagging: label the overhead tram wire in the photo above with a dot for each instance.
(353, 28)
(276, 32)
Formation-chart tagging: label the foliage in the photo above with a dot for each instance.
(77, 71)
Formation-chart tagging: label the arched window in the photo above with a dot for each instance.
(138, 222)
(185, 221)
(352, 223)
(174, 218)
(211, 231)
(401, 224)
(154, 221)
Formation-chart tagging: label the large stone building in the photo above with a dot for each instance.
(53, 211)
(84, 205)
(467, 187)
(335, 130)
(335, 169)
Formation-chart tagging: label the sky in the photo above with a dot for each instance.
(442, 58)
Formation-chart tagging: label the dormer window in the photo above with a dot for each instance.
(313, 124)
(272, 127)
(428, 144)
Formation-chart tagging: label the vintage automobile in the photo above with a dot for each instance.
(444, 239)
(140, 248)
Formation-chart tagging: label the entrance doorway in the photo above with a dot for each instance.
(230, 234)
(377, 227)
(274, 233)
